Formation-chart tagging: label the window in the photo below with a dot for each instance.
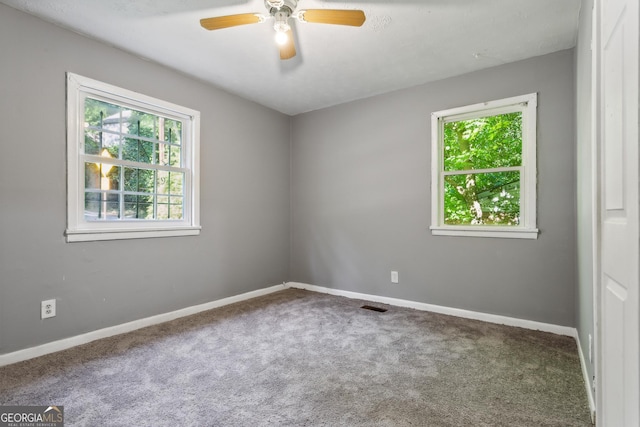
(483, 179)
(132, 164)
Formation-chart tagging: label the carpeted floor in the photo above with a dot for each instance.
(299, 358)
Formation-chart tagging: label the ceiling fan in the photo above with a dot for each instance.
(281, 11)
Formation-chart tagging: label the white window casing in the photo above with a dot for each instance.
(79, 228)
(527, 228)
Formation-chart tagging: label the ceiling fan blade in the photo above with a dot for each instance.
(288, 50)
(230, 21)
(354, 18)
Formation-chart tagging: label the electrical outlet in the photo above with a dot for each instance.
(47, 309)
(394, 277)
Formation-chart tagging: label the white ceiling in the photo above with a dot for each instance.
(402, 43)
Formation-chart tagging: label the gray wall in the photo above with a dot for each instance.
(361, 199)
(244, 243)
(584, 291)
(353, 205)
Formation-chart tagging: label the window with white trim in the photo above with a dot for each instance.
(483, 173)
(132, 164)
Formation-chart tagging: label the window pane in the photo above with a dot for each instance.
(91, 176)
(139, 123)
(168, 155)
(113, 122)
(162, 154)
(175, 208)
(138, 180)
(111, 206)
(482, 199)
(138, 207)
(95, 141)
(101, 206)
(137, 150)
(163, 210)
(109, 151)
(483, 143)
(172, 131)
(91, 206)
(174, 156)
(110, 177)
(92, 142)
(146, 178)
(176, 185)
(101, 176)
(170, 182)
(96, 112)
(162, 182)
(130, 179)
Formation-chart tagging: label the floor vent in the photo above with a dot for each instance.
(372, 308)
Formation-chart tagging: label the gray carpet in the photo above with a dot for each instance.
(299, 358)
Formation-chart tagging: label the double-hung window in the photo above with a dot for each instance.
(483, 179)
(132, 164)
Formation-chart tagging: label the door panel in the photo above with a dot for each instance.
(617, 115)
(614, 299)
(614, 148)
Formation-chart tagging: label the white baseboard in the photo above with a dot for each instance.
(52, 347)
(587, 380)
(467, 314)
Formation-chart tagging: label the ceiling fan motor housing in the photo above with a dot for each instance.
(281, 6)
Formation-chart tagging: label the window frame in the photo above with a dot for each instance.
(80, 230)
(527, 229)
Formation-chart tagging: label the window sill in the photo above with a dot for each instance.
(96, 235)
(503, 233)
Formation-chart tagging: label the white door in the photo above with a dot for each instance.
(617, 126)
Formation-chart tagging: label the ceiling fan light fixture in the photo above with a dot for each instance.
(281, 25)
(281, 22)
(281, 38)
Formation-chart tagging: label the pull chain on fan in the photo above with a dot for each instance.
(281, 11)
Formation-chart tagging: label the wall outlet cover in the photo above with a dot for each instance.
(48, 309)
